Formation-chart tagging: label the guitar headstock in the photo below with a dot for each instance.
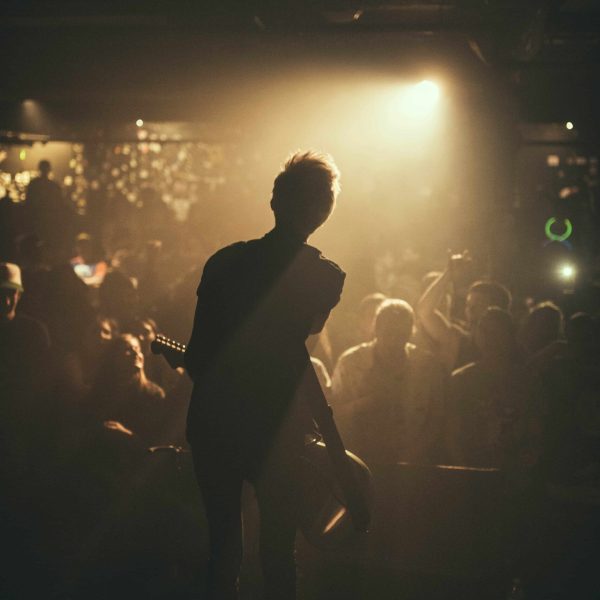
(172, 351)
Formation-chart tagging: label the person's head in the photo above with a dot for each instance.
(304, 192)
(394, 323)
(366, 315)
(543, 325)
(482, 295)
(44, 168)
(11, 288)
(145, 330)
(495, 335)
(126, 356)
(87, 248)
(99, 332)
(581, 331)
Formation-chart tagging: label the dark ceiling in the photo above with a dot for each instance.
(107, 59)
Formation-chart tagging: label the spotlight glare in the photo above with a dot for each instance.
(139, 123)
(420, 99)
(569, 125)
(567, 271)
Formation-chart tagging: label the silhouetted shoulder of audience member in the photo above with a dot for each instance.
(542, 326)
(453, 343)
(122, 392)
(570, 387)
(388, 394)
(490, 421)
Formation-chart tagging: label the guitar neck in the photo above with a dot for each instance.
(173, 351)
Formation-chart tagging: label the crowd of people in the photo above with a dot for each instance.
(460, 378)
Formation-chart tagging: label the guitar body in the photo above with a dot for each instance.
(325, 519)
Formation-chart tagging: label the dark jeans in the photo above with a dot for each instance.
(220, 478)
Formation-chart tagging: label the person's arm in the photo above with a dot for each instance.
(435, 324)
(202, 347)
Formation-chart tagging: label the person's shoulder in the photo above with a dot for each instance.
(225, 256)
(325, 264)
(32, 328)
(153, 390)
(356, 353)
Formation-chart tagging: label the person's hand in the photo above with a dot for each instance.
(458, 263)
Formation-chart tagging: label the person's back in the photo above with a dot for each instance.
(254, 323)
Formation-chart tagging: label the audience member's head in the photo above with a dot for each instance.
(145, 330)
(495, 335)
(118, 296)
(394, 323)
(543, 325)
(482, 295)
(31, 250)
(304, 192)
(581, 331)
(44, 167)
(88, 248)
(124, 358)
(367, 310)
(99, 332)
(11, 288)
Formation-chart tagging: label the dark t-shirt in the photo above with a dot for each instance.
(24, 349)
(25, 369)
(257, 304)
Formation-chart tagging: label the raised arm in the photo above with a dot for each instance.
(446, 335)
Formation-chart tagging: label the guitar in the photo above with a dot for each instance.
(324, 521)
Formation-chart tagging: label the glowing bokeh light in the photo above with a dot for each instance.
(23, 154)
(569, 125)
(139, 123)
(567, 271)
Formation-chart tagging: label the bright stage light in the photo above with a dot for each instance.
(567, 271)
(569, 125)
(139, 123)
(427, 92)
(420, 99)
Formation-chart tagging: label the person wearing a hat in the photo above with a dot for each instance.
(11, 288)
(24, 341)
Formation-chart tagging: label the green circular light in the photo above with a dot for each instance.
(555, 237)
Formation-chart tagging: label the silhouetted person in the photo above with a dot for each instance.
(490, 420)
(48, 214)
(257, 303)
(542, 326)
(453, 342)
(388, 393)
(24, 342)
(569, 387)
